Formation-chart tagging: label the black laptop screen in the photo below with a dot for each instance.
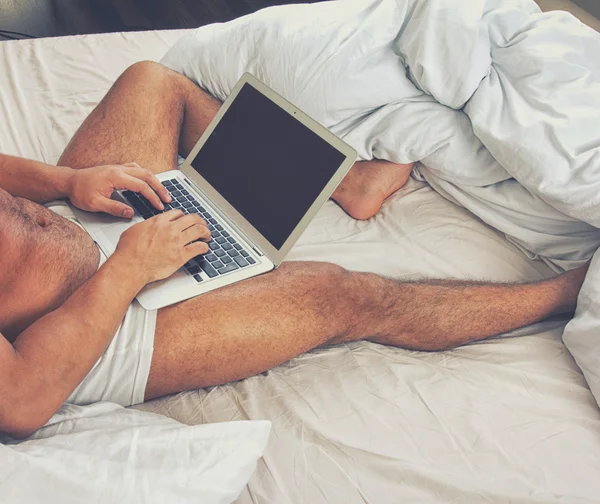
(266, 164)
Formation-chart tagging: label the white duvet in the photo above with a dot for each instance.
(499, 102)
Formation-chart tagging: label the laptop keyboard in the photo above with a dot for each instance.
(225, 254)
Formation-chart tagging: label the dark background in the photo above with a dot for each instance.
(51, 18)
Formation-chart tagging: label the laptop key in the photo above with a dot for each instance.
(198, 278)
(220, 253)
(220, 240)
(209, 270)
(233, 253)
(187, 204)
(219, 227)
(218, 265)
(213, 245)
(230, 267)
(240, 261)
(237, 246)
(184, 192)
(214, 233)
(225, 233)
(194, 270)
(250, 260)
(244, 253)
(226, 259)
(227, 246)
(213, 221)
(231, 239)
(211, 257)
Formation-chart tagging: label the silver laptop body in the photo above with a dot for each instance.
(236, 173)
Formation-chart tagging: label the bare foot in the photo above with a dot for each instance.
(368, 184)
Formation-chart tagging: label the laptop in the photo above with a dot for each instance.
(258, 175)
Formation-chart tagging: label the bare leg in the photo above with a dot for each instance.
(140, 119)
(252, 326)
(151, 111)
(302, 305)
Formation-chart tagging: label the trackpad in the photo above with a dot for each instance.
(114, 232)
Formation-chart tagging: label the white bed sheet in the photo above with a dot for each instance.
(507, 420)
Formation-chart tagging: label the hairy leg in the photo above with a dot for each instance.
(148, 115)
(151, 113)
(254, 325)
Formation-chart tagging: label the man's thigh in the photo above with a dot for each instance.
(140, 120)
(246, 328)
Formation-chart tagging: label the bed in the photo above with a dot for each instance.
(506, 420)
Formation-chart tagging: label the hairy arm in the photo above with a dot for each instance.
(88, 188)
(33, 180)
(51, 357)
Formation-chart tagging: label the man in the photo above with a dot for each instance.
(59, 313)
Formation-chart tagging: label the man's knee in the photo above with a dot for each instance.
(150, 73)
(311, 271)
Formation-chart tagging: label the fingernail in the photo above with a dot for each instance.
(126, 212)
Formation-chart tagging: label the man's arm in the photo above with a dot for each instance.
(50, 358)
(33, 180)
(88, 188)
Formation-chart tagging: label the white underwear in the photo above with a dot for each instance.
(121, 373)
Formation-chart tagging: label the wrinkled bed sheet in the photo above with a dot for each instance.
(507, 420)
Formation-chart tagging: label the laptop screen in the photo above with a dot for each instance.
(266, 164)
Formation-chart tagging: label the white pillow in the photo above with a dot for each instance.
(582, 334)
(105, 453)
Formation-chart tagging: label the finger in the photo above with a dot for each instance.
(195, 249)
(171, 215)
(196, 232)
(137, 171)
(190, 220)
(139, 186)
(115, 208)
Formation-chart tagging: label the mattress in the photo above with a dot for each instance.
(510, 419)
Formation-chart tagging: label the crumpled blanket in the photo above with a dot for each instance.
(499, 103)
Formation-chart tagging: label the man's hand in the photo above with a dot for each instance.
(91, 188)
(158, 247)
